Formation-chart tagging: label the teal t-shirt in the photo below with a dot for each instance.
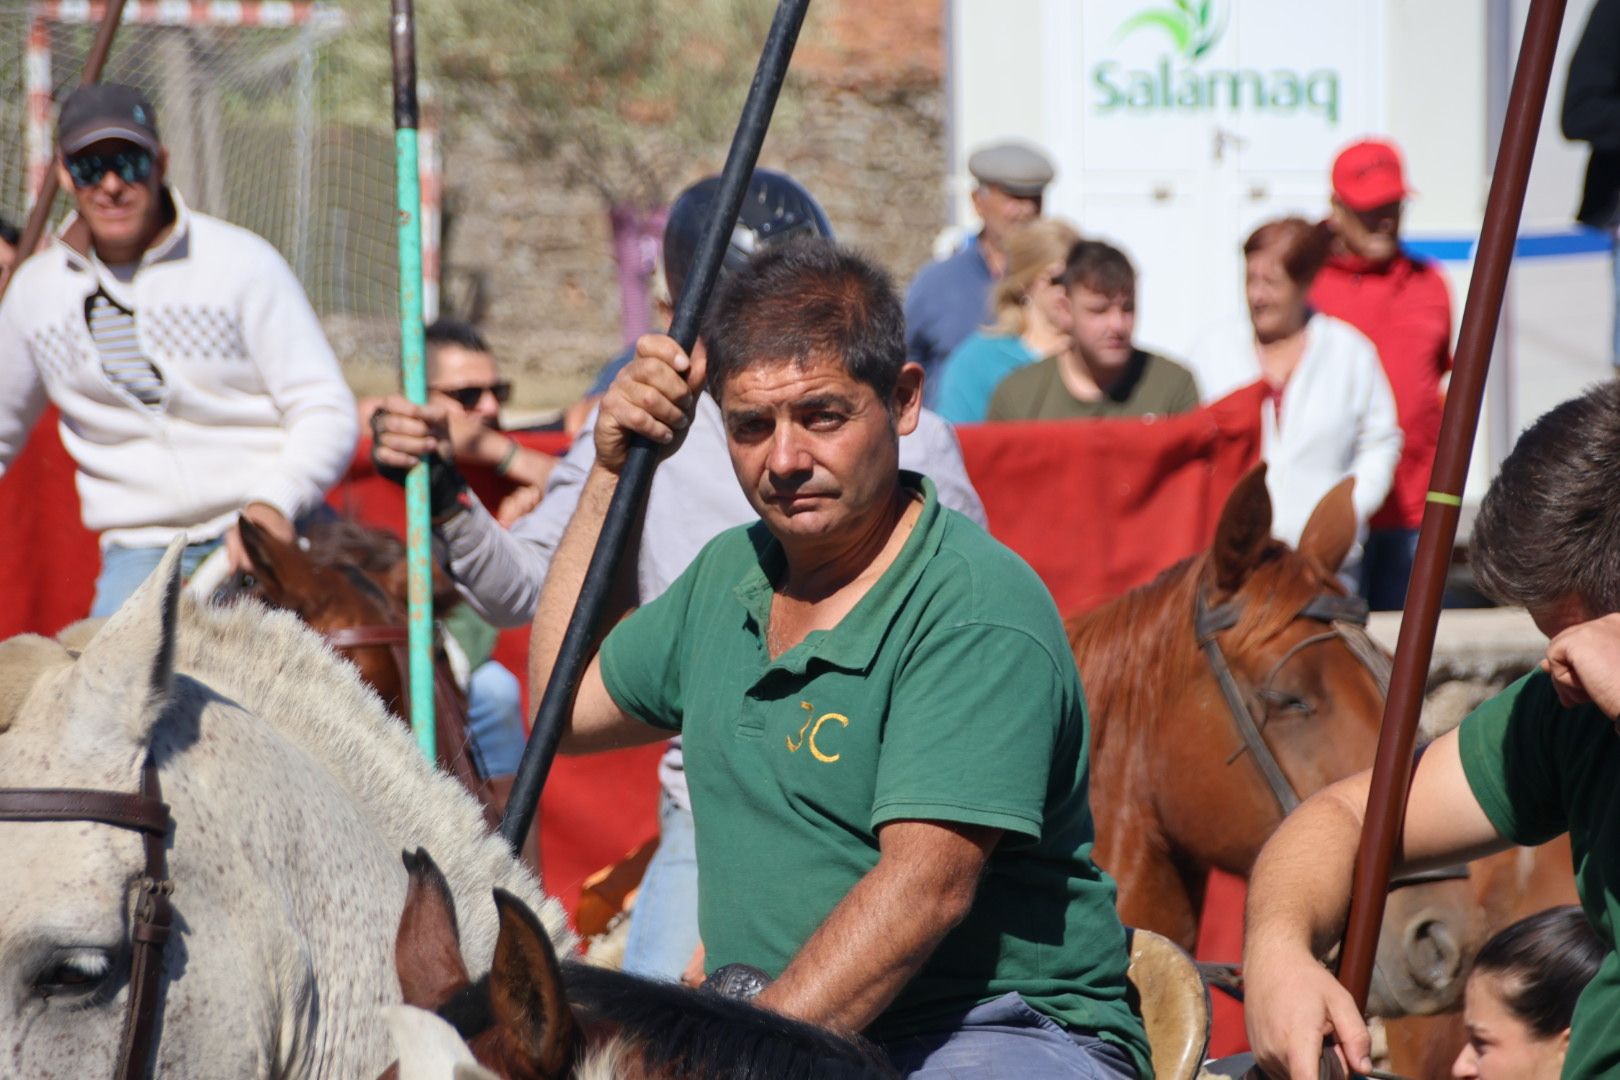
(948, 693)
(972, 373)
(1540, 770)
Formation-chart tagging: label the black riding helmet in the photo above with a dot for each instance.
(775, 207)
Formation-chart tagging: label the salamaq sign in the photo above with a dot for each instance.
(1180, 82)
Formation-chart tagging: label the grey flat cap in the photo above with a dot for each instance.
(1016, 168)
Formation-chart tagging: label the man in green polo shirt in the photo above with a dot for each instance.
(886, 740)
(1539, 759)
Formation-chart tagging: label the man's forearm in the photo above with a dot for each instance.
(877, 938)
(566, 576)
(1300, 886)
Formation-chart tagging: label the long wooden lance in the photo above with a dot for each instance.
(636, 476)
(1392, 769)
(413, 370)
(40, 213)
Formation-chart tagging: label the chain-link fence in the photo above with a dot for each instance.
(263, 126)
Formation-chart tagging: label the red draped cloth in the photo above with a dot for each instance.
(1096, 507)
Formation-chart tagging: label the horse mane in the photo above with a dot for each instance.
(272, 664)
(1134, 645)
(700, 1033)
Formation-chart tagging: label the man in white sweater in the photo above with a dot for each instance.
(193, 380)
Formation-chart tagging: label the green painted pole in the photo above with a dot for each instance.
(413, 364)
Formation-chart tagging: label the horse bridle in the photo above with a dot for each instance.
(145, 813)
(1346, 619)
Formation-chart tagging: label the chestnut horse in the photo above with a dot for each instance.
(349, 586)
(1177, 790)
(533, 1018)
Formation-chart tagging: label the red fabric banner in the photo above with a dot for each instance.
(1096, 507)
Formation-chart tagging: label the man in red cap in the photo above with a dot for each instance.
(1401, 304)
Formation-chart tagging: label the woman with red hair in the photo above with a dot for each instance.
(1330, 413)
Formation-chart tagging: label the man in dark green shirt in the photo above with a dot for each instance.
(1102, 373)
(886, 739)
(1540, 759)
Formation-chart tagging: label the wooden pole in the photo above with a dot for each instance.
(413, 364)
(1392, 768)
(40, 213)
(636, 476)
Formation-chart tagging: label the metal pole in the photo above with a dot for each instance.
(1391, 777)
(636, 475)
(41, 211)
(413, 364)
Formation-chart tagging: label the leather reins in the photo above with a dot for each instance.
(1347, 618)
(147, 814)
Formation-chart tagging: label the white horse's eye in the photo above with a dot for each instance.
(73, 973)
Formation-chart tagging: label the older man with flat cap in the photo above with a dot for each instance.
(950, 299)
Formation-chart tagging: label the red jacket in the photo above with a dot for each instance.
(1404, 307)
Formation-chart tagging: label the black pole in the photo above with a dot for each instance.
(636, 476)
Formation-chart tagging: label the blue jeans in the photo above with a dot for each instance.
(1008, 1039)
(1386, 567)
(494, 720)
(124, 568)
(663, 924)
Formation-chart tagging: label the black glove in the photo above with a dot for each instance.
(445, 485)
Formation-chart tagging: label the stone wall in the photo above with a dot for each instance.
(1477, 652)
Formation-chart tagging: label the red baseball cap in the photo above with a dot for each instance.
(1368, 174)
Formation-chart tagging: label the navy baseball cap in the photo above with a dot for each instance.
(106, 111)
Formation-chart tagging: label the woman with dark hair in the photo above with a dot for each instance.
(1330, 413)
(1521, 996)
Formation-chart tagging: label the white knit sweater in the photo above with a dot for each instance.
(255, 409)
(1337, 418)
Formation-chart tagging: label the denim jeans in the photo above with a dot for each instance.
(1386, 567)
(663, 924)
(124, 568)
(1614, 270)
(1008, 1039)
(495, 720)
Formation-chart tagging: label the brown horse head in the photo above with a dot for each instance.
(329, 596)
(1176, 789)
(517, 1018)
(532, 1018)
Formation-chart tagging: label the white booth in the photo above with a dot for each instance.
(1178, 125)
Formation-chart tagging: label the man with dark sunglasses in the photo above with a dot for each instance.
(466, 392)
(192, 377)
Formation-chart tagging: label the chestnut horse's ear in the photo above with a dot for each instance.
(1331, 529)
(282, 569)
(1244, 531)
(526, 994)
(427, 950)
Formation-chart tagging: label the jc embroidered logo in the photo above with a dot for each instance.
(812, 728)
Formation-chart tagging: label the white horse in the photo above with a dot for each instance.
(292, 794)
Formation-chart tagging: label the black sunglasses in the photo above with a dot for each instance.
(132, 167)
(468, 396)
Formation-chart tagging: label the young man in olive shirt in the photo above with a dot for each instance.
(1102, 373)
(886, 740)
(1539, 759)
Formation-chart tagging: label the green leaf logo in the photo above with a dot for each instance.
(1192, 25)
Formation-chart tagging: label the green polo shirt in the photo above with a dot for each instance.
(949, 693)
(1540, 770)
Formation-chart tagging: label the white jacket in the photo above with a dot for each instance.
(255, 409)
(1337, 418)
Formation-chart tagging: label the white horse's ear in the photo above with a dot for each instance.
(429, 1048)
(127, 668)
